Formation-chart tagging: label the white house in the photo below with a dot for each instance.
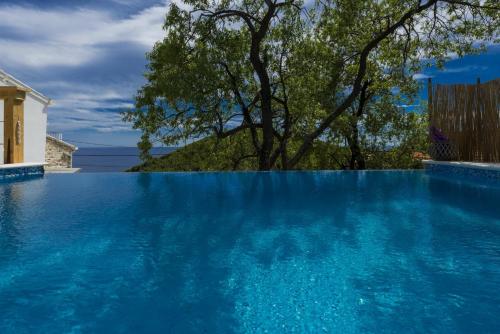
(23, 122)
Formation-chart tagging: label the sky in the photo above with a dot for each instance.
(88, 56)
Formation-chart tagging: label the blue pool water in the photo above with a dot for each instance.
(323, 252)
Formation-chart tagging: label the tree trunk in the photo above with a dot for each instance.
(357, 159)
(267, 129)
(259, 66)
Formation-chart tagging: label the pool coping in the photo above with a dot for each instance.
(464, 170)
(21, 170)
(465, 164)
(22, 165)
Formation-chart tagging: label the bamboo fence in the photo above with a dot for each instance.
(469, 115)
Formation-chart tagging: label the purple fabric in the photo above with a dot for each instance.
(437, 136)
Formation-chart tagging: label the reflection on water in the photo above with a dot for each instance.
(249, 252)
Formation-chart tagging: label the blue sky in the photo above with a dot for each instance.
(89, 57)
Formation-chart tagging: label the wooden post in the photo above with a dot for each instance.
(13, 123)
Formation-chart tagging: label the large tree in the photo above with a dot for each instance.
(284, 72)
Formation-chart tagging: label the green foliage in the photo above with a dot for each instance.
(395, 139)
(390, 142)
(210, 154)
(388, 136)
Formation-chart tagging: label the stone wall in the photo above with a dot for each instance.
(58, 153)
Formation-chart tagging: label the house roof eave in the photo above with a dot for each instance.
(37, 95)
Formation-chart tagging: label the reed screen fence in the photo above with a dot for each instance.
(469, 115)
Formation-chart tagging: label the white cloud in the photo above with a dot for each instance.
(64, 120)
(36, 54)
(83, 107)
(43, 42)
(73, 37)
(465, 69)
(421, 76)
(409, 106)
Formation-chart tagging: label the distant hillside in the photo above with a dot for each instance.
(228, 154)
(204, 155)
(235, 153)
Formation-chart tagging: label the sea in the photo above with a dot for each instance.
(111, 159)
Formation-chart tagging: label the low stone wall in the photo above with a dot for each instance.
(58, 153)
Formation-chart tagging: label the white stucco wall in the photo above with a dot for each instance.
(35, 128)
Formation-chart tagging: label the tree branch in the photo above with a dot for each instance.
(221, 134)
(245, 109)
(472, 5)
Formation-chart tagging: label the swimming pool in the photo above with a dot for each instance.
(310, 252)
